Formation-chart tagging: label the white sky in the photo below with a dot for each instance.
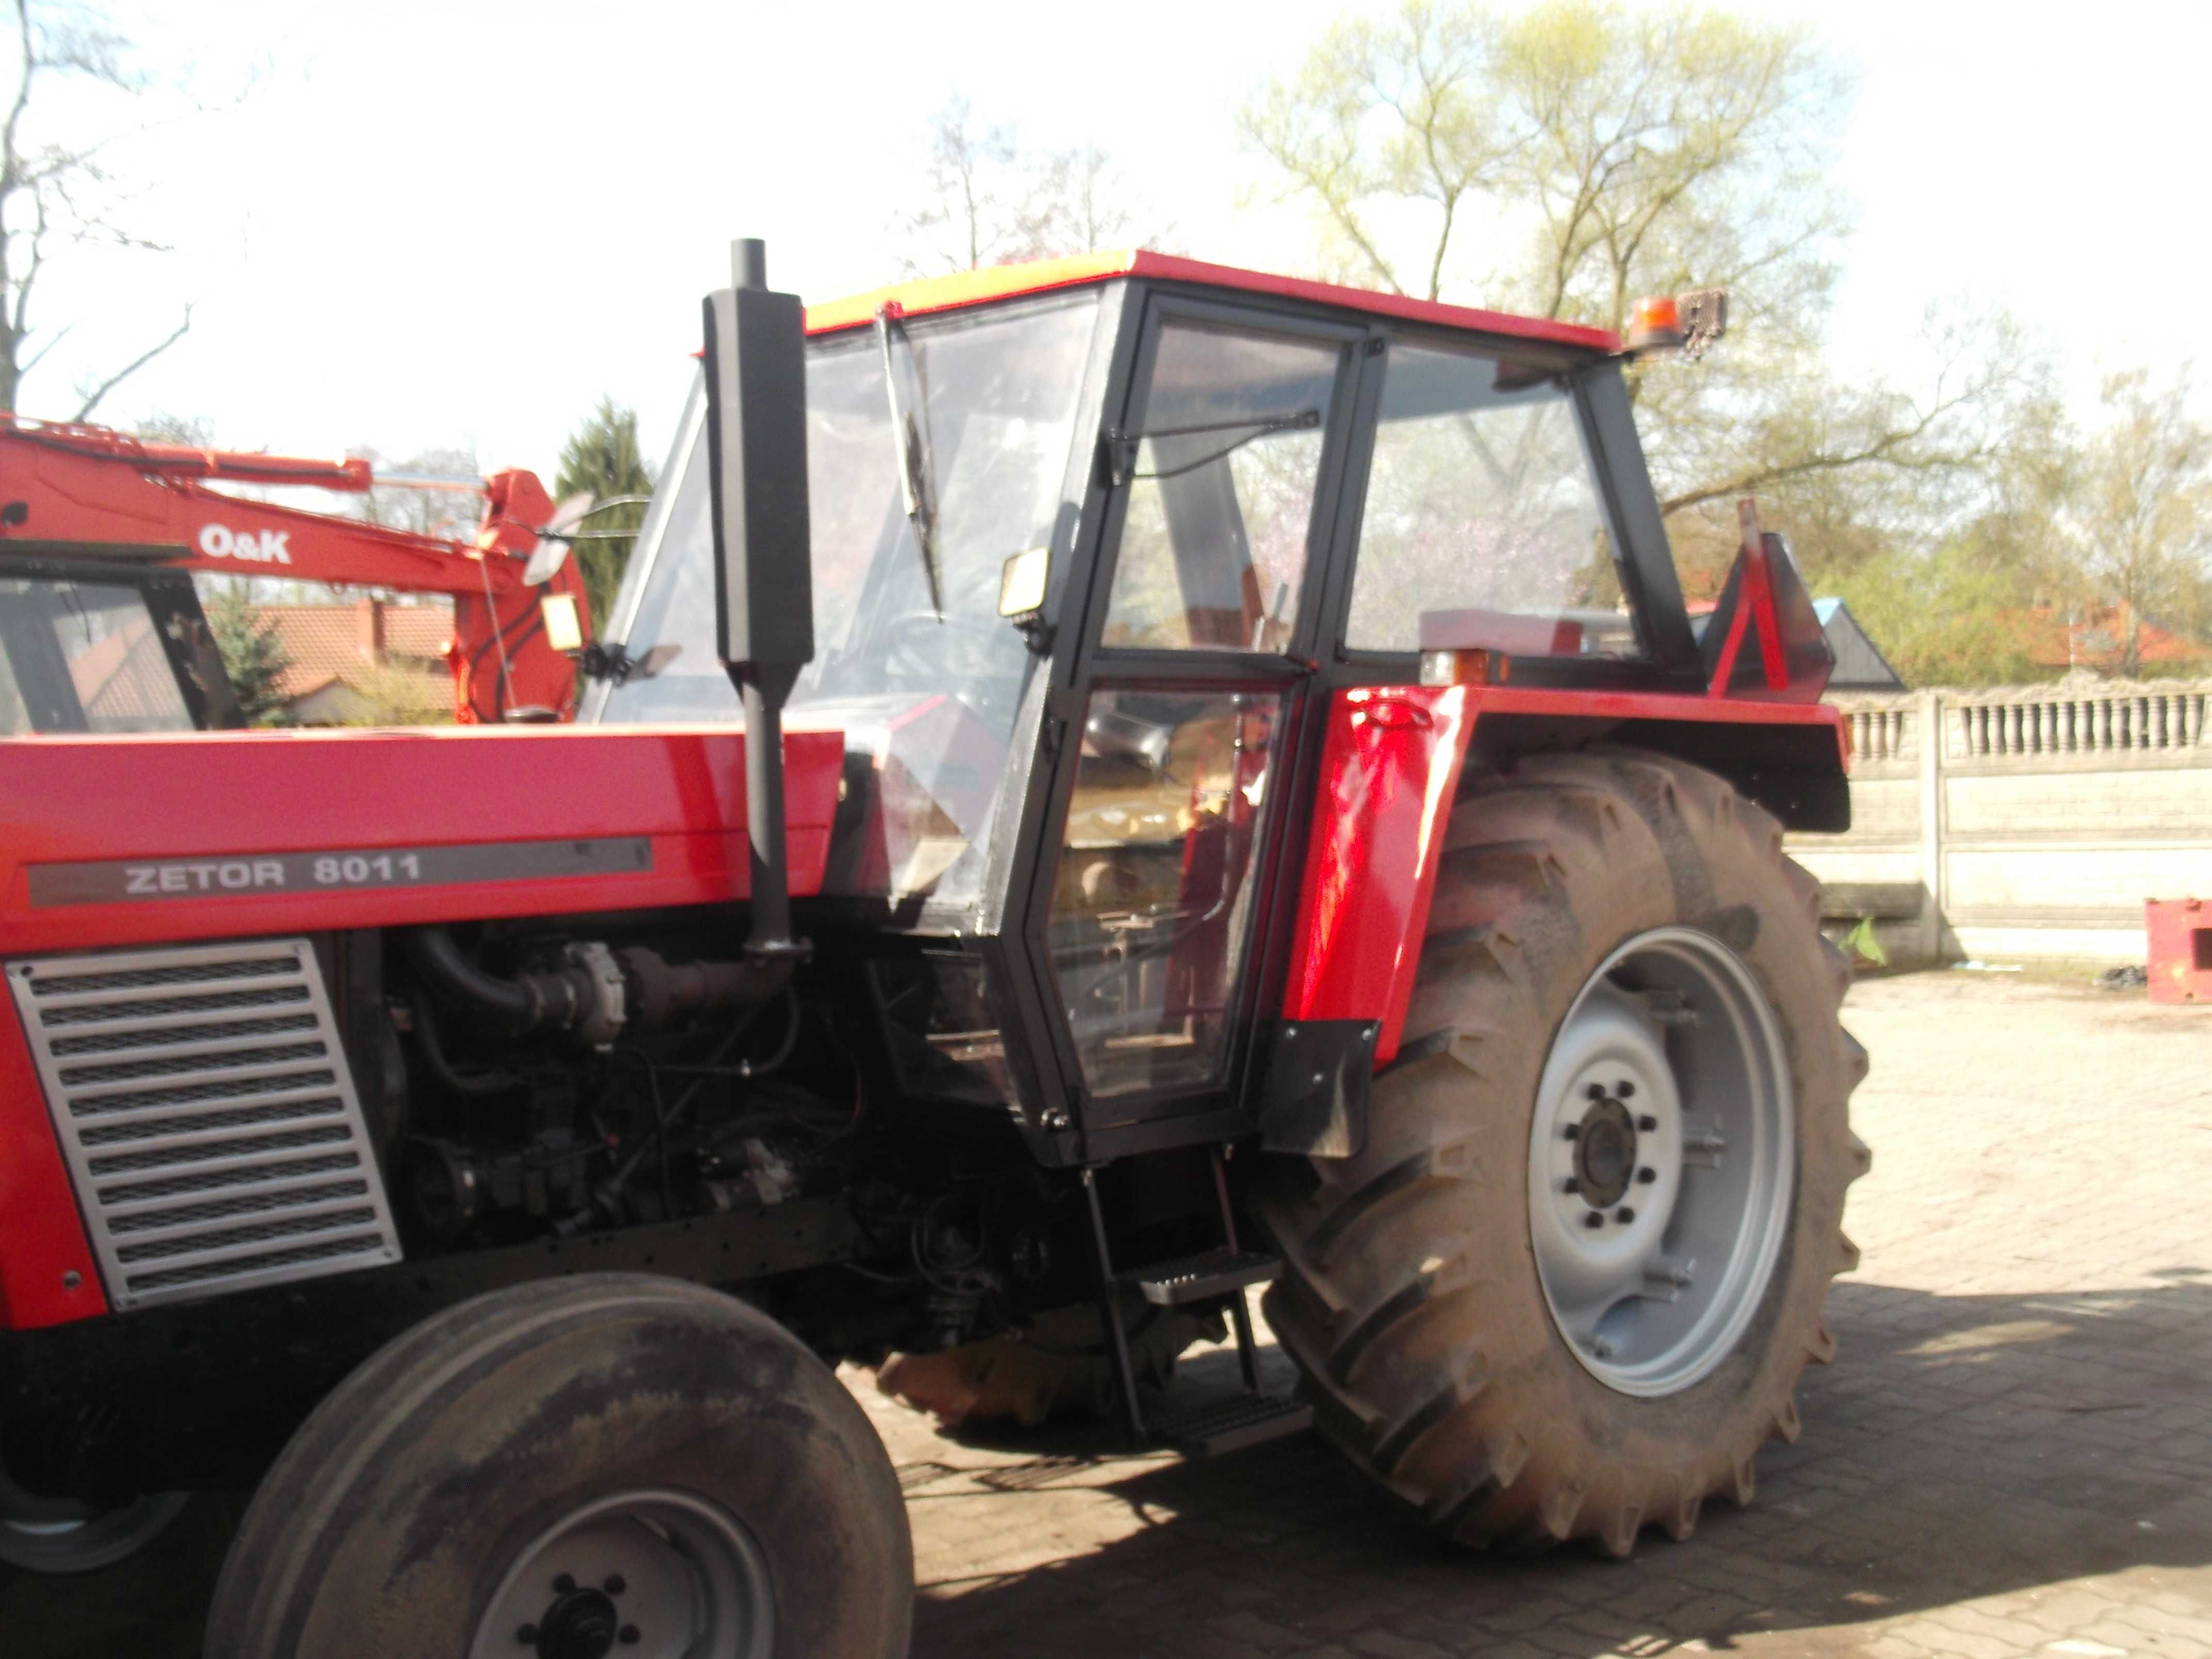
(455, 223)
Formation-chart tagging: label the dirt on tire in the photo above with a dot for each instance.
(1410, 1297)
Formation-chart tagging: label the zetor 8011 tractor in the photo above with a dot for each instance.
(1109, 783)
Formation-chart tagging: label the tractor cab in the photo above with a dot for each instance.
(1097, 545)
(98, 645)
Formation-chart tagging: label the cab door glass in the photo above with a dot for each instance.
(1221, 477)
(1152, 897)
(1483, 528)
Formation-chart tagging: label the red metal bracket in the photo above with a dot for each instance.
(1754, 603)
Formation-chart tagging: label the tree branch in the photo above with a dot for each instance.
(92, 401)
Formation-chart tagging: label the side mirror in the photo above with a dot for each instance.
(545, 562)
(1022, 582)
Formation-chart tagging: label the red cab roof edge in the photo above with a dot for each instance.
(971, 288)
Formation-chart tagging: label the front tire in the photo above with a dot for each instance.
(607, 1462)
(1540, 1305)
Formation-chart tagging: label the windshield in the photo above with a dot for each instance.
(930, 696)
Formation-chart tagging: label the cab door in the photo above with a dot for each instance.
(1182, 721)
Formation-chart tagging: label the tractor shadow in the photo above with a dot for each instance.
(1961, 1447)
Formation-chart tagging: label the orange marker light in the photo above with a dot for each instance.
(1655, 324)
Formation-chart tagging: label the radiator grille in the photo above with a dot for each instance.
(210, 1151)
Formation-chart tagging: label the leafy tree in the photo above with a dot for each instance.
(56, 193)
(602, 456)
(252, 654)
(1602, 154)
(2143, 507)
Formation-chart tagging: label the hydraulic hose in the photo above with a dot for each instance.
(595, 993)
(529, 1002)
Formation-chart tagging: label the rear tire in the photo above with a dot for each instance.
(609, 1453)
(1441, 1314)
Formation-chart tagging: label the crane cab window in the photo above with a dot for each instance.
(80, 656)
(1483, 528)
(1221, 475)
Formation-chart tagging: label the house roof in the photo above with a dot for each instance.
(972, 287)
(1860, 665)
(2097, 638)
(327, 642)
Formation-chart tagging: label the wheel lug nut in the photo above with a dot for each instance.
(527, 1636)
(1573, 1131)
(629, 1635)
(616, 1585)
(1647, 1123)
(1647, 1177)
(1624, 1088)
(563, 1584)
(1623, 1215)
(1570, 1185)
(1594, 1219)
(1595, 1091)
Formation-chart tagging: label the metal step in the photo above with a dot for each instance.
(1200, 1278)
(1231, 1425)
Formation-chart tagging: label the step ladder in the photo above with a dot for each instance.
(1210, 1429)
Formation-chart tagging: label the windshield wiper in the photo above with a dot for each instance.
(915, 485)
(1125, 443)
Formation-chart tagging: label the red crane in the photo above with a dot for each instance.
(114, 494)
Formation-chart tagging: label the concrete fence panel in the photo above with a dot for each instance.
(2031, 821)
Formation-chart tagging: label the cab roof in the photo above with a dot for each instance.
(973, 288)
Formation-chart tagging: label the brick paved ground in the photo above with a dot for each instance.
(2012, 1452)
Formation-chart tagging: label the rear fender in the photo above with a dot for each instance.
(1392, 762)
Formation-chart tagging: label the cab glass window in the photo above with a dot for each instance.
(1152, 897)
(1483, 528)
(1221, 477)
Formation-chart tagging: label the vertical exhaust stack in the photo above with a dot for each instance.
(755, 365)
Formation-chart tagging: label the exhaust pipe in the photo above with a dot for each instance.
(755, 368)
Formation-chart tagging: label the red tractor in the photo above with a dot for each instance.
(89, 518)
(1254, 812)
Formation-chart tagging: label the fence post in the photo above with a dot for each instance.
(1928, 713)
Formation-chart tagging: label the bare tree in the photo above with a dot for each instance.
(987, 199)
(57, 195)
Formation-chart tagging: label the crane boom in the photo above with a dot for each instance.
(114, 494)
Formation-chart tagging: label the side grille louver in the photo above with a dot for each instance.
(203, 1101)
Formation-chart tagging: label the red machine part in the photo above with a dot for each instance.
(90, 485)
(228, 830)
(2179, 935)
(1390, 767)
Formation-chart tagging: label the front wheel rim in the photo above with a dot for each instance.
(639, 1575)
(56, 1535)
(1661, 1157)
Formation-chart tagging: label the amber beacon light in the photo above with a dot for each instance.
(1688, 322)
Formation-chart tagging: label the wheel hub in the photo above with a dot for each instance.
(656, 1574)
(581, 1624)
(1604, 1151)
(1660, 1156)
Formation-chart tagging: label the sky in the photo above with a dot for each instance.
(416, 225)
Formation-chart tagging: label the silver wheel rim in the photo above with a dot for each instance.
(643, 1575)
(54, 1534)
(1661, 1163)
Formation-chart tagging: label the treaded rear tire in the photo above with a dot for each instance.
(1410, 1297)
(388, 1523)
